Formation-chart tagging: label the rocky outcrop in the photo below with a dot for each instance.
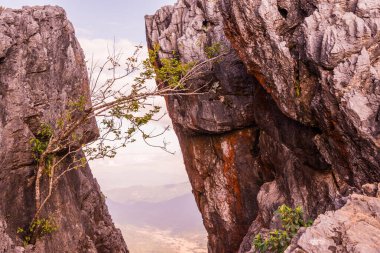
(42, 68)
(353, 228)
(294, 117)
(319, 61)
(216, 130)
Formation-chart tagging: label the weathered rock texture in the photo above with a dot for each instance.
(42, 68)
(353, 228)
(6, 243)
(295, 117)
(216, 130)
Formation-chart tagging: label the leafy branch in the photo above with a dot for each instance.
(121, 102)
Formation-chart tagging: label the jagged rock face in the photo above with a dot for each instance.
(42, 68)
(216, 129)
(320, 62)
(300, 124)
(353, 228)
(328, 53)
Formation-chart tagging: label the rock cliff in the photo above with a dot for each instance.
(42, 68)
(353, 228)
(294, 116)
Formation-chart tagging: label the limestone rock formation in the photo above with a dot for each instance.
(319, 61)
(216, 130)
(353, 228)
(42, 68)
(295, 114)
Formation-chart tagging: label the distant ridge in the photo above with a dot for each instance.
(151, 194)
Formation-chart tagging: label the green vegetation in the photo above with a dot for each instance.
(297, 88)
(39, 145)
(78, 105)
(279, 239)
(41, 141)
(213, 51)
(167, 70)
(36, 230)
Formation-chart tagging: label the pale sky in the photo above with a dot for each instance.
(97, 24)
(100, 19)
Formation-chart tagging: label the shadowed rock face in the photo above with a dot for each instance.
(216, 130)
(294, 118)
(42, 68)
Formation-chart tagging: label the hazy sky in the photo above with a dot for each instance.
(97, 23)
(94, 19)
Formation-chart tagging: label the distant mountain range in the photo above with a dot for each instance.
(179, 214)
(152, 194)
(167, 213)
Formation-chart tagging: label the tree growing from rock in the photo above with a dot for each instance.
(121, 102)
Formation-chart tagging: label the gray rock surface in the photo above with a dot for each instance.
(297, 123)
(6, 243)
(353, 228)
(328, 51)
(42, 68)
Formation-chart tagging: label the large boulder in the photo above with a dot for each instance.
(292, 115)
(42, 68)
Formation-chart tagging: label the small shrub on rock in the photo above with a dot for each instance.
(279, 239)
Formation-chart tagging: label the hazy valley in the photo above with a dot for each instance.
(158, 219)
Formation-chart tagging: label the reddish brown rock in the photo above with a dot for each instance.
(218, 166)
(307, 93)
